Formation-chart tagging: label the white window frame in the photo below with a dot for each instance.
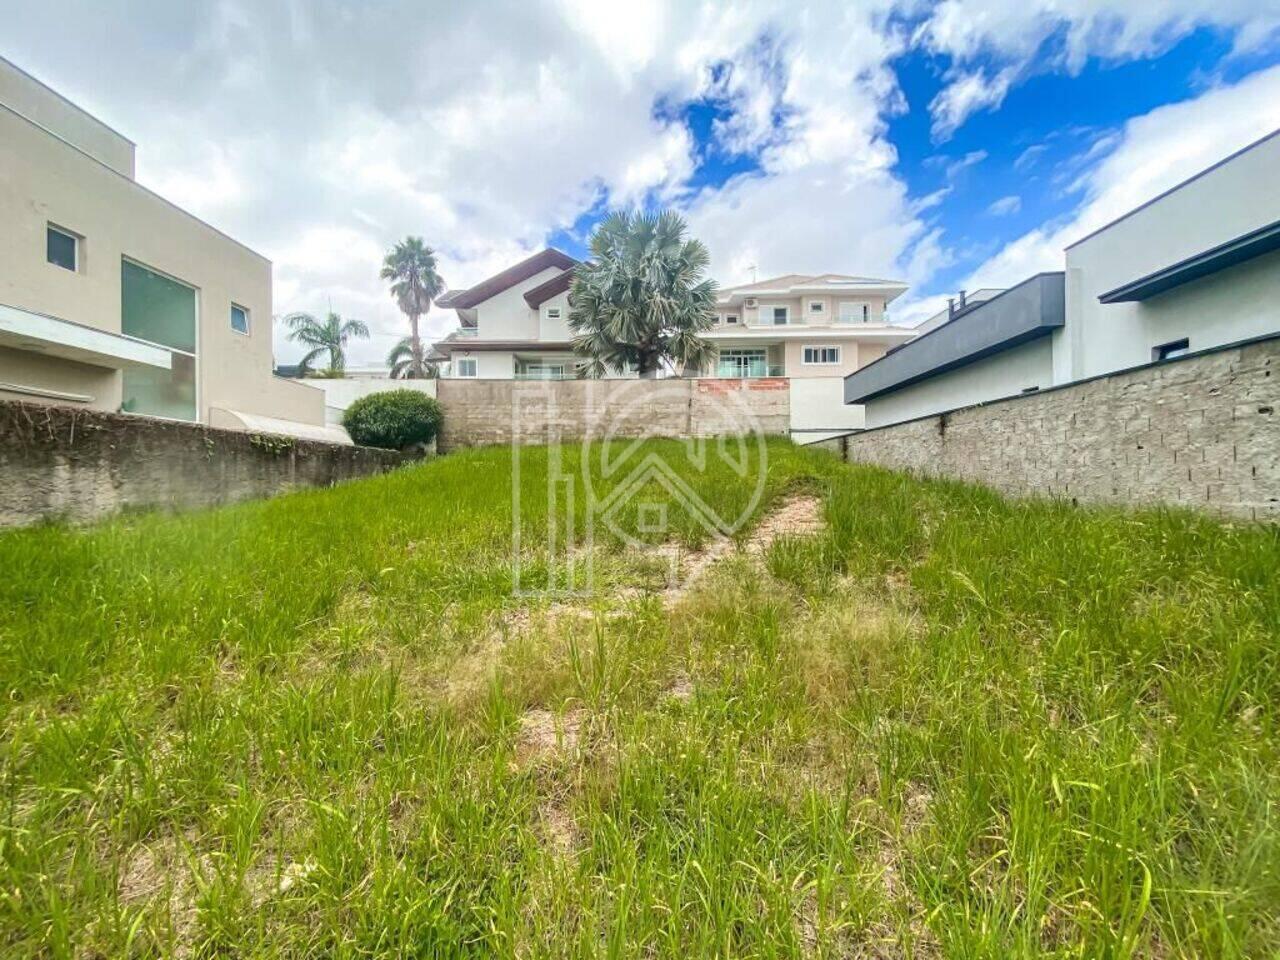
(475, 368)
(553, 313)
(804, 355)
(731, 319)
(248, 319)
(817, 308)
(76, 243)
(863, 314)
(773, 314)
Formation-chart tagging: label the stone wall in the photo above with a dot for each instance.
(478, 412)
(1202, 431)
(79, 464)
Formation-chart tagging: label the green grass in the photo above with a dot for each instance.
(949, 725)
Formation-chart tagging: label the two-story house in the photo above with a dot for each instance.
(804, 326)
(515, 324)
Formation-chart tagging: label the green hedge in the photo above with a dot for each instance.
(393, 420)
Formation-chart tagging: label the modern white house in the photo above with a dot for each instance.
(1193, 269)
(515, 324)
(112, 298)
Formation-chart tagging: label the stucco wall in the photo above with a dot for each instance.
(340, 393)
(1200, 432)
(43, 180)
(1005, 374)
(1222, 204)
(80, 464)
(478, 412)
(818, 410)
(507, 315)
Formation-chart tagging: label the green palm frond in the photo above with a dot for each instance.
(329, 335)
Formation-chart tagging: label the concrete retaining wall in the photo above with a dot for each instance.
(478, 412)
(81, 464)
(1202, 431)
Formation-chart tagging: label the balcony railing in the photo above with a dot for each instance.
(465, 332)
(737, 372)
(542, 375)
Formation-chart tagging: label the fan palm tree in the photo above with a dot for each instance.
(400, 360)
(642, 299)
(411, 268)
(324, 336)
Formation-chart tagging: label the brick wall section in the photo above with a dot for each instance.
(1201, 432)
(479, 412)
(81, 465)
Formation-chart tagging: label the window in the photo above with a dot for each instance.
(854, 312)
(162, 311)
(821, 355)
(780, 316)
(817, 307)
(466, 366)
(1170, 350)
(743, 363)
(553, 313)
(731, 319)
(239, 319)
(62, 248)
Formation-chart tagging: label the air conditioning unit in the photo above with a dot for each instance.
(750, 302)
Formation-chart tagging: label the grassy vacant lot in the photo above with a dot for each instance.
(940, 725)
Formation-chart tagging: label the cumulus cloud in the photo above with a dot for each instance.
(1151, 154)
(990, 42)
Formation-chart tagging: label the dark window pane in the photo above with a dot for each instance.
(156, 308)
(61, 249)
(239, 319)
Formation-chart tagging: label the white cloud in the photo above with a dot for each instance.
(1013, 35)
(1151, 154)
(1005, 206)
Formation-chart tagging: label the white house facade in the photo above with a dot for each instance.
(1193, 269)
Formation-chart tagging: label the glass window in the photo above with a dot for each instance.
(60, 248)
(731, 319)
(239, 319)
(779, 316)
(1168, 351)
(816, 306)
(162, 311)
(157, 309)
(553, 313)
(467, 367)
(743, 363)
(821, 354)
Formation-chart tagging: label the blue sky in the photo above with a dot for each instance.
(944, 143)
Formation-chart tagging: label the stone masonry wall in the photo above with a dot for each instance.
(478, 412)
(1201, 432)
(80, 465)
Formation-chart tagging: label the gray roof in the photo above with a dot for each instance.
(1033, 308)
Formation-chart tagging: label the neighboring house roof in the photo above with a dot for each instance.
(1031, 309)
(794, 284)
(972, 299)
(1253, 244)
(522, 271)
(552, 288)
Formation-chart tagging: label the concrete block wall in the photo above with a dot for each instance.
(480, 412)
(1201, 432)
(80, 465)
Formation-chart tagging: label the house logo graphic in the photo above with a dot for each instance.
(605, 485)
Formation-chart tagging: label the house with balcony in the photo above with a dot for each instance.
(113, 298)
(515, 324)
(804, 326)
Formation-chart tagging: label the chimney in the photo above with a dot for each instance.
(951, 308)
(962, 300)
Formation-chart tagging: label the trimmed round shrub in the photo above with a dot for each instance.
(393, 420)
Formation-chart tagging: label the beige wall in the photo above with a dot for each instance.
(799, 307)
(43, 180)
(27, 96)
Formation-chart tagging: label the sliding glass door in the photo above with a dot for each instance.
(162, 311)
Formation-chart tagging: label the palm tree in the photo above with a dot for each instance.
(324, 336)
(411, 268)
(642, 300)
(400, 360)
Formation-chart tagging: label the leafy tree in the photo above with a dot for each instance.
(394, 419)
(400, 360)
(411, 268)
(642, 299)
(324, 336)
